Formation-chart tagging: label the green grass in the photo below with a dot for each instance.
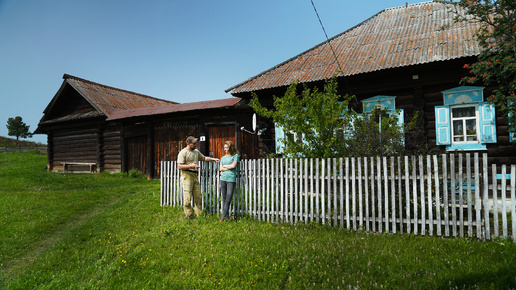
(108, 231)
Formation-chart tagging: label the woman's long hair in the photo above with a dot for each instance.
(232, 148)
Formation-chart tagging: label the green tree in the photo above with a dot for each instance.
(377, 134)
(16, 127)
(328, 128)
(496, 63)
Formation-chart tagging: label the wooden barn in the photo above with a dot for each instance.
(94, 127)
(151, 135)
(409, 58)
(78, 136)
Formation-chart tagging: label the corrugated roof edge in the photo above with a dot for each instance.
(325, 42)
(299, 54)
(168, 109)
(68, 76)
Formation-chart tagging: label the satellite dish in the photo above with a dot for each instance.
(254, 122)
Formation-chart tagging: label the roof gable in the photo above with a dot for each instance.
(79, 99)
(395, 37)
(107, 99)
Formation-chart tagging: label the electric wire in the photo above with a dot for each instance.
(332, 50)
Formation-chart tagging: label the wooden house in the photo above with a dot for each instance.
(78, 136)
(414, 56)
(94, 127)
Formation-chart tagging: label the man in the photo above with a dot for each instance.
(187, 164)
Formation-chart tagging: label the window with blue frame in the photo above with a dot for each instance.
(387, 105)
(282, 133)
(465, 121)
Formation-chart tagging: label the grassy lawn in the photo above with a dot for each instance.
(109, 231)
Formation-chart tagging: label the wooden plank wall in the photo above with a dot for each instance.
(218, 135)
(111, 151)
(136, 153)
(169, 139)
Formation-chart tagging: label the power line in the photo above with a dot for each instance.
(331, 47)
(325, 34)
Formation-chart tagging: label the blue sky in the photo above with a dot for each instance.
(183, 51)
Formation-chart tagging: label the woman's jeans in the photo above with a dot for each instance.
(226, 189)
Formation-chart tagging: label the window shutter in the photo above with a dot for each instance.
(401, 116)
(512, 135)
(349, 132)
(400, 113)
(487, 123)
(442, 125)
(279, 137)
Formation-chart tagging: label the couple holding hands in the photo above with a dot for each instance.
(187, 164)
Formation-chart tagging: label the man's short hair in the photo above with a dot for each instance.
(191, 140)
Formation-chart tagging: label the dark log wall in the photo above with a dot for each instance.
(503, 152)
(417, 88)
(111, 156)
(74, 145)
(99, 144)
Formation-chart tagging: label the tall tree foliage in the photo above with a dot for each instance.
(377, 134)
(496, 63)
(328, 128)
(16, 127)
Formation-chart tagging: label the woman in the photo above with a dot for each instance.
(228, 164)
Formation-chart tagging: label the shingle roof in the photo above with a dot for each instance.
(107, 99)
(395, 37)
(215, 104)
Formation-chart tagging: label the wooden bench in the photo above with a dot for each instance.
(93, 166)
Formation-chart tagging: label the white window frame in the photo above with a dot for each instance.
(464, 119)
(298, 137)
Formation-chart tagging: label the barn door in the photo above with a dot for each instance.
(136, 153)
(217, 136)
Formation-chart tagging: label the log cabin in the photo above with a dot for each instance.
(78, 136)
(92, 127)
(409, 58)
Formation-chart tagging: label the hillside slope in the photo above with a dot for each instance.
(13, 143)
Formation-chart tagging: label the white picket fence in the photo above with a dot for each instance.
(444, 195)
